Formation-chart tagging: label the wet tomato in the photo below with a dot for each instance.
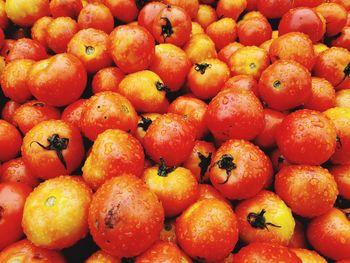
(10, 141)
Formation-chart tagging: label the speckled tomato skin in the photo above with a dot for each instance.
(274, 8)
(96, 15)
(73, 112)
(125, 217)
(308, 255)
(114, 153)
(254, 31)
(207, 230)
(38, 31)
(10, 141)
(222, 32)
(8, 110)
(148, 13)
(124, 10)
(44, 163)
(102, 257)
(63, 223)
(341, 175)
(322, 95)
(26, 48)
(131, 47)
(335, 16)
(228, 117)
(107, 79)
(309, 191)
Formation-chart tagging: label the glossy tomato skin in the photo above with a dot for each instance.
(206, 15)
(132, 48)
(222, 32)
(10, 141)
(73, 112)
(191, 6)
(329, 234)
(109, 110)
(69, 8)
(114, 153)
(341, 175)
(101, 256)
(52, 148)
(142, 214)
(226, 52)
(148, 13)
(169, 137)
(335, 16)
(59, 80)
(343, 40)
(8, 110)
(274, 8)
(234, 169)
(124, 10)
(245, 82)
(322, 95)
(12, 199)
(305, 255)
(298, 239)
(310, 3)
(254, 31)
(26, 48)
(145, 120)
(38, 31)
(342, 99)
(218, 235)
(232, 9)
(107, 79)
(306, 137)
(199, 48)
(227, 118)
(4, 20)
(96, 15)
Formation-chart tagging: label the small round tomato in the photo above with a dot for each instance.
(267, 138)
(115, 219)
(26, 48)
(305, 20)
(206, 15)
(342, 99)
(49, 206)
(343, 40)
(145, 120)
(333, 65)
(52, 148)
(205, 79)
(218, 234)
(249, 60)
(163, 252)
(222, 32)
(191, 6)
(199, 48)
(73, 112)
(96, 15)
(25, 13)
(265, 218)
(226, 52)
(239, 169)
(265, 252)
(102, 257)
(341, 175)
(146, 91)
(307, 137)
(329, 234)
(274, 8)
(132, 48)
(25, 251)
(243, 82)
(124, 10)
(322, 96)
(69, 8)
(148, 13)
(171, 138)
(309, 191)
(14, 80)
(298, 239)
(39, 30)
(254, 31)
(59, 80)
(227, 116)
(232, 9)
(12, 199)
(308, 255)
(10, 141)
(8, 110)
(114, 153)
(335, 16)
(285, 84)
(107, 79)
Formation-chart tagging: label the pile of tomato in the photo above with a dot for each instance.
(175, 131)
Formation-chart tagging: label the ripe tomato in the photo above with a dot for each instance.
(125, 217)
(265, 218)
(8, 110)
(319, 48)
(329, 234)
(107, 79)
(341, 175)
(278, 160)
(222, 32)
(4, 20)
(322, 96)
(114, 153)
(199, 48)
(10, 141)
(335, 16)
(107, 110)
(344, 3)
(308, 255)
(239, 169)
(102, 257)
(226, 52)
(232, 9)
(8, 44)
(343, 40)
(145, 120)
(274, 8)
(132, 48)
(342, 99)
(206, 15)
(12, 199)
(39, 30)
(148, 13)
(124, 10)
(191, 6)
(52, 148)
(244, 82)
(171, 138)
(298, 239)
(73, 112)
(32, 113)
(69, 8)
(309, 3)
(207, 191)
(227, 117)
(254, 31)
(26, 48)
(218, 234)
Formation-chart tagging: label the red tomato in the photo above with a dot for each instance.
(8, 110)
(341, 175)
(191, 6)
(39, 30)
(73, 112)
(274, 8)
(254, 31)
(335, 16)
(232, 9)
(148, 13)
(107, 79)
(26, 48)
(343, 40)
(322, 96)
(244, 82)
(69, 8)
(298, 239)
(222, 32)
(124, 10)
(10, 141)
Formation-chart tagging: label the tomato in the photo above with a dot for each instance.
(107, 79)
(252, 5)
(163, 252)
(114, 153)
(109, 110)
(207, 191)
(323, 95)
(171, 138)
(298, 239)
(305, 20)
(196, 29)
(199, 48)
(274, 8)
(25, 251)
(205, 79)
(308, 255)
(191, 6)
(39, 30)
(307, 137)
(172, 25)
(232, 9)
(254, 31)
(342, 98)
(26, 48)
(341, 175)
(12, 199)
(285, 84)
(132, 48)
(222, 32)
(102, 257)
(206, 15)
(226, 52)
(278, 160)
(227, 117)
(125, 217)
(335, 16)
(329, 234)
(343, 40)
(73, 112)
(69, 8)
(16, 170)
(148, 13)
(7, 46)
(124, 10)
(344, 3)
(57, 81)
(4, 20)
(218, 234)
(243, 82)
(32, 113)
(309, 3)
(52, 148)
(145, 120)
(10, 141)
(8, 110)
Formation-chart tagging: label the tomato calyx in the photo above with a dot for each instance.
(38, 104)
(167, 28)
(277, 84)
(226, 163)
(204, 163)
(89, 50)
(144, 123)
(111, 219)
(161, 87)
(258, 220)
(163, 169)
(57, 144)
(202, 67)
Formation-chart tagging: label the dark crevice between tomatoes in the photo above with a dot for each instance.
(128, 260)
(57, 144)
(199, 259)
(258, 220)
(163, 169)
(167, 28)
(161, 87)
(339, 143)
(2, 211)
(144, 123)
(226, 163)
(38, 104)
(141, 3)
(204, 163)
(112, 217)
(342, 203)
(89, 50)
(346, 72)
(167, 226)
(202, 67)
